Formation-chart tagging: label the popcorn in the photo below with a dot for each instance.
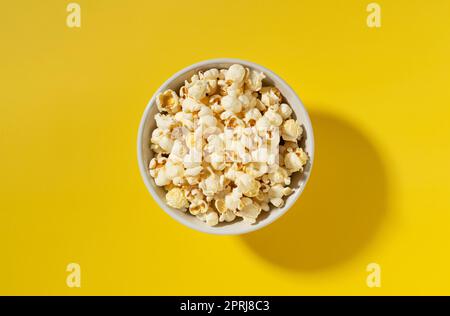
(198, 206)
(265, 207)
(279, 175)
(285, 111)
(193, 172)
(198, 90)
(235, 74)
(277, 202)
(217, 161)
(165, 143)
(254, 80)
(248, 100)
(207, 120)
(161, 178)
(276, 191)
(247, 184)
(232, 200)
(176, 199)
(252, 116)
(291, 130)
(157, 135)
(164, 122)
(217, 146)
(212, 218)
(227, 216)
(257, 169)
(168, 102)
(263, 124)
(210, 185)
(273, 118)
(270, 96)
(173, 170)
(231, 103)
(179, 150)
(220, 206)
(248, 210)
(190, 105)
(294, 161)
(211, 74)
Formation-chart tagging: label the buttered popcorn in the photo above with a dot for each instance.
(225, 146)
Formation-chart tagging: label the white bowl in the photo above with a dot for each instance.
(145, 154)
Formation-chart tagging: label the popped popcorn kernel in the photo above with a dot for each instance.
(168, 102)
(176, 199)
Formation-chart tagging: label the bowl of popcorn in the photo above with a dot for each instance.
(225, 146)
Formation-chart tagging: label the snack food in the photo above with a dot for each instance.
(225, 146)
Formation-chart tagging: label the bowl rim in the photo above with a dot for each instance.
(143, 168)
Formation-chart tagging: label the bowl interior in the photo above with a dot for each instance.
(237, 227)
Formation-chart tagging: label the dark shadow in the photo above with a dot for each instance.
(341, 208)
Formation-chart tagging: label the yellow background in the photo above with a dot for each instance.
(71, 101)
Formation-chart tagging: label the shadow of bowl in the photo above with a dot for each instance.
(341, 208)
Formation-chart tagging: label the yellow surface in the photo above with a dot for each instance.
(71, 101)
